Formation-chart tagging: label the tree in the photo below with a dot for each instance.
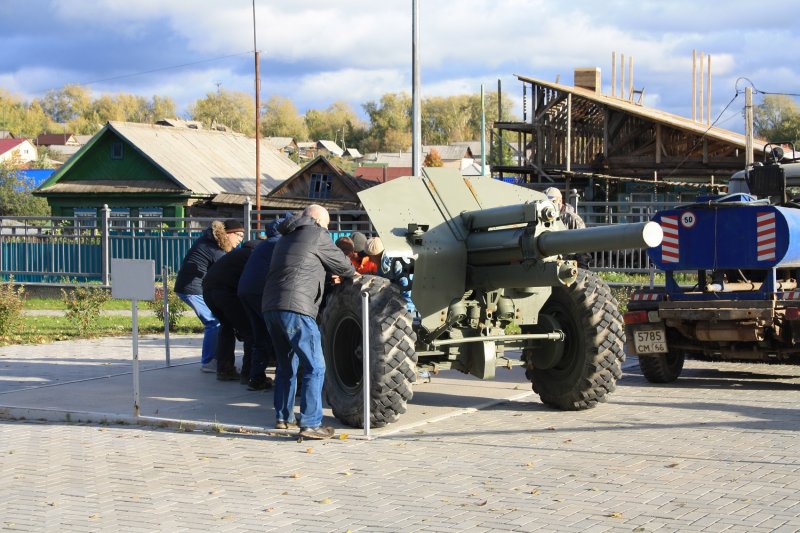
(500, 153)
(281, 119)
(433, 159)
(777, 119)
(338, 123)
(15, 194)
(68, 103)
(390, 123)
(235, 110)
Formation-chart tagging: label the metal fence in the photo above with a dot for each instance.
(80, 249)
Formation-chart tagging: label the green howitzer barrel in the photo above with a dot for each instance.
(477, 233)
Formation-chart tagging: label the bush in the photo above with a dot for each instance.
(176, 305)
(84, 305)
(12, 300)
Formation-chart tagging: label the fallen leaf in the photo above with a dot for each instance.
(616, 515)
(343, 436)
(347, 473)
(551, 428)
(326, 501)
(673, 465)
(536, 492)
(529, 464)
(309, 450)
(269, 509)
(94, 516)
(295, 475)
(51, 504)
(568, 440)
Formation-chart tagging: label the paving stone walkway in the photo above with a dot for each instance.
(716, 451)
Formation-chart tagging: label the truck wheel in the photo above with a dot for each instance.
(662, 368)
(393, 359)
(589, 316)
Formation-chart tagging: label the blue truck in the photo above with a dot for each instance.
(744, 248)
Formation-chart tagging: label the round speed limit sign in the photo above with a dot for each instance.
(688, 219)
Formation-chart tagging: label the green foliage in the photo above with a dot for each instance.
(12, 301)
(83, 307)
(500, 153)
(235, 110)
(281, 119)
(777, 119)
(15, 194)
(390, 123)
(176, 305)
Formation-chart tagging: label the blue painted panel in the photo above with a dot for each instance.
(729, 236)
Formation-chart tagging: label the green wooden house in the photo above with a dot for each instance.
(160, 171)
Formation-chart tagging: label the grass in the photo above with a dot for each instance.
(47, 329)
(56, 304)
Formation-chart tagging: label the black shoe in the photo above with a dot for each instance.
(260, 385)
(228, 375)
(321, 432)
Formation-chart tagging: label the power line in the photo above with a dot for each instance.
(183, 65)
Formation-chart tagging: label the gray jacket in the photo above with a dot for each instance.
(302, 256)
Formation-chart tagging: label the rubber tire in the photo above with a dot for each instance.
(393, 358)
(589, 316)
(662, 368)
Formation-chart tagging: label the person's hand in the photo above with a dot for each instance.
(336, 279)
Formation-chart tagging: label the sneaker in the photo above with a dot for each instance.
(321, 432)
(210, 367)
(259, 385)
(228, 375)
(282, 424)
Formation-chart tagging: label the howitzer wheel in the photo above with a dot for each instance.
(662, 368)
(589, 316)
(393, 359)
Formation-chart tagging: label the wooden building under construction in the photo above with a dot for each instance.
(578, 133)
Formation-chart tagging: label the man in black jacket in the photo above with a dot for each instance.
(220, 287)
(214, 243)
(250, 291)
(292, 296)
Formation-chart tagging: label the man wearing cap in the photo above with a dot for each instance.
(217, 240)
(571, 220)
(292, 295)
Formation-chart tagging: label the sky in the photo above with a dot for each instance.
(317, 53)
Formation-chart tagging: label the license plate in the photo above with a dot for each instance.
(651, 340)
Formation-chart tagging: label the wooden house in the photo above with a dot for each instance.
(160, 170)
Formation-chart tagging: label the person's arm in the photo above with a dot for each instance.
(332, 257)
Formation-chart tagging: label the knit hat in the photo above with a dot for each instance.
(345, 244)
(359, 241)
(374, 246)
(232, 226)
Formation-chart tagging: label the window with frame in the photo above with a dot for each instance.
(320, 186)
(116, 150)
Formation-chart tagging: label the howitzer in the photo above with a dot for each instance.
(486, 266)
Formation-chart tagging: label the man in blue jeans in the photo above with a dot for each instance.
(292, 295)
(215, 242)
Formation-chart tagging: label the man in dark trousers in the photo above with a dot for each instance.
(292, 296)
(220, 287)
(251, 290)
(213, 244)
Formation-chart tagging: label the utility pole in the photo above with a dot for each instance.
(258, 132)
(416, 120)
(748, 127)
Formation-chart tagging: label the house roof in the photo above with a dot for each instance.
(202, 161)
(474, 147)
(279, 142)
(403, 159)
(353, 152)
(381, 174)
(330, 146)
(7, 145)
(46, 139)
(112, 186)
(448, 152)
(669, 119)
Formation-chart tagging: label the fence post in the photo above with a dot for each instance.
(248, 215)
(105, 249)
